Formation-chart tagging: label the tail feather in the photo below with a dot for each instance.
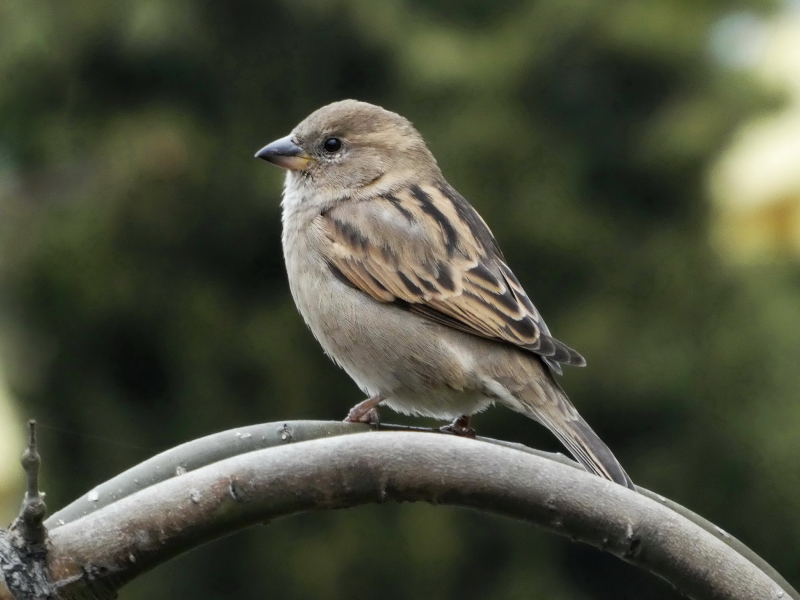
(543, 400)
(590, 451)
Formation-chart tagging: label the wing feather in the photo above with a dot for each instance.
(426, 249)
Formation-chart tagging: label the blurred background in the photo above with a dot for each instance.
(639, 163)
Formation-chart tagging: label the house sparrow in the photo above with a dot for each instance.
(405, 287)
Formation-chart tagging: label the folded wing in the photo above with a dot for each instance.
(427, 249)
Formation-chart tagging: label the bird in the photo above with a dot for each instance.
(405, 287)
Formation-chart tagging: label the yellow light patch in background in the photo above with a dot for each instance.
(11, 447)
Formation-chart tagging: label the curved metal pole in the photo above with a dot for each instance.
(132, 535)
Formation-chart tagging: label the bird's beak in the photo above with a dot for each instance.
(286, 154)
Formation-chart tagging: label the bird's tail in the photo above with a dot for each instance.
(559, 416)
(589, 450)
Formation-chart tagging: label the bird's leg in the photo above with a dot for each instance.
(366, 411)
(460, 427)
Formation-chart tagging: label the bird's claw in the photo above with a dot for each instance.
(459, 427)
(363, 414)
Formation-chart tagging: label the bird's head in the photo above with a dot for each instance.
(349, 148)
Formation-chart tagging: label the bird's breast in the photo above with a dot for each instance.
(419, 366)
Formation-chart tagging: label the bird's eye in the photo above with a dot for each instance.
(332, 145)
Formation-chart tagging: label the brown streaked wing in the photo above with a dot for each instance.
(427, 249)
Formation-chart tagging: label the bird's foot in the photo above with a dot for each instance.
(365, 412)
(459, 427)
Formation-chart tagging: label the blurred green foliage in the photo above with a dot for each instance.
(144, 300)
